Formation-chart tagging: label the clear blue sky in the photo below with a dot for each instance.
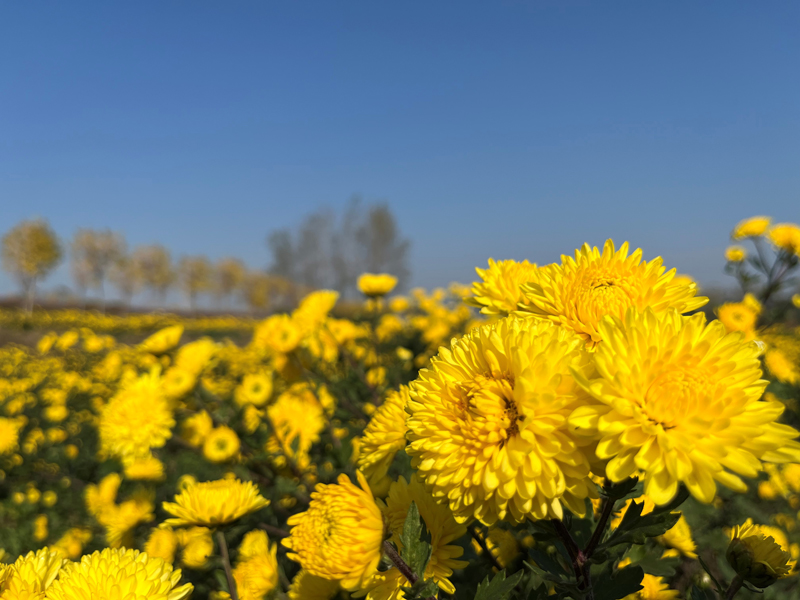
(507, 129)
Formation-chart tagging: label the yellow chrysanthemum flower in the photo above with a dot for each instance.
(498, 292)
(195, 356)
(681, 403)
(442, 528)
(679, 540)
(752, 227)
(136, 419)
(255, 389)
(120, 574)
(654, 588)
(738, 316)
(314, 309)
(785, 236)
(71, 544)
(9, 434)
(213, 503)
(296, 424)
(163, 341)
(781, 367)
(30, 576)
(196, 428)
(383, 438)
(735, 254)
(222, 444)
(256, 571)
(306, 586)
(340, 536)
(376, 285)
(162, 543)
(796, 300)
(488, 424)
(145, 468)
(198, 547)
(756, 555)
(579, 292)
(177, 382)
(278, 332)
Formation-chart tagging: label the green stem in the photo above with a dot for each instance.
(734, 587)
(226, 564)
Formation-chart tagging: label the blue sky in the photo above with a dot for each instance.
(507, 129)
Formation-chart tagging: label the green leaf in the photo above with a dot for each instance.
(635, 528)
(421, 589)
(720, 589)
(618, 491)
(618, 584)
(499, 587)
(416, 551)
(696, 593)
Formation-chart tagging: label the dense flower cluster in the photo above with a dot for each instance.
(410, 446)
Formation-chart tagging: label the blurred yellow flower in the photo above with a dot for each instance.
(752, 227)
(306, 586)
(198, 546)
(213, 503)
(162, 543)
(255, 389)
(340, 536)
(654, 588)
(735, 254)
(222, 444)
(376, 285)
(785, 236)
(195, 429)
(781, 367)
(738, 316)
(256, 571)
(9, 434)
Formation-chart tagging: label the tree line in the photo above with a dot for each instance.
(325, 250)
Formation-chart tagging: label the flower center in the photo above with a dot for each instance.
(489, 399)
(675, 395)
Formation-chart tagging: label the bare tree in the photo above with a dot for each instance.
(229, 275)
(195, 277)
(154, 265)
(93, 253)
(330, 252)
(31, 250)
(125, 277)
(256, 291)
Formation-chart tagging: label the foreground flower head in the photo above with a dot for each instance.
(340, 536)
(120, 574)
(376, 285)
(213, 503)
(499, 290)
(681, 403)
(30, 575)
(756, 556)
(441, 526)
(384, 437)
(580, 291)
(488, 424)
(752, 227)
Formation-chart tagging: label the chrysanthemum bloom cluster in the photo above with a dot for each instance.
(30, 576)
(680, 401)
(340, 536)
(580, 291)
(488, 423)
(213, 503)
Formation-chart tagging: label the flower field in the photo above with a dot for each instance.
(589, 429)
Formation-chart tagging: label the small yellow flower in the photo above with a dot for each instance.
(9, 434)
(735, 254)
(40, 530)
(756, 556)
(785, 236)
(120, 574)
(162, 543)
(738, 316)
(163, 341)
(178, 382)
(752, 227)
(340, 536)
(654, 588)
(781, 367)
(147, 468)
(213, 503)
(196, 428)
(376, 285)
(198, 546)
(255, 389)
(256, 571)
(222, 444)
